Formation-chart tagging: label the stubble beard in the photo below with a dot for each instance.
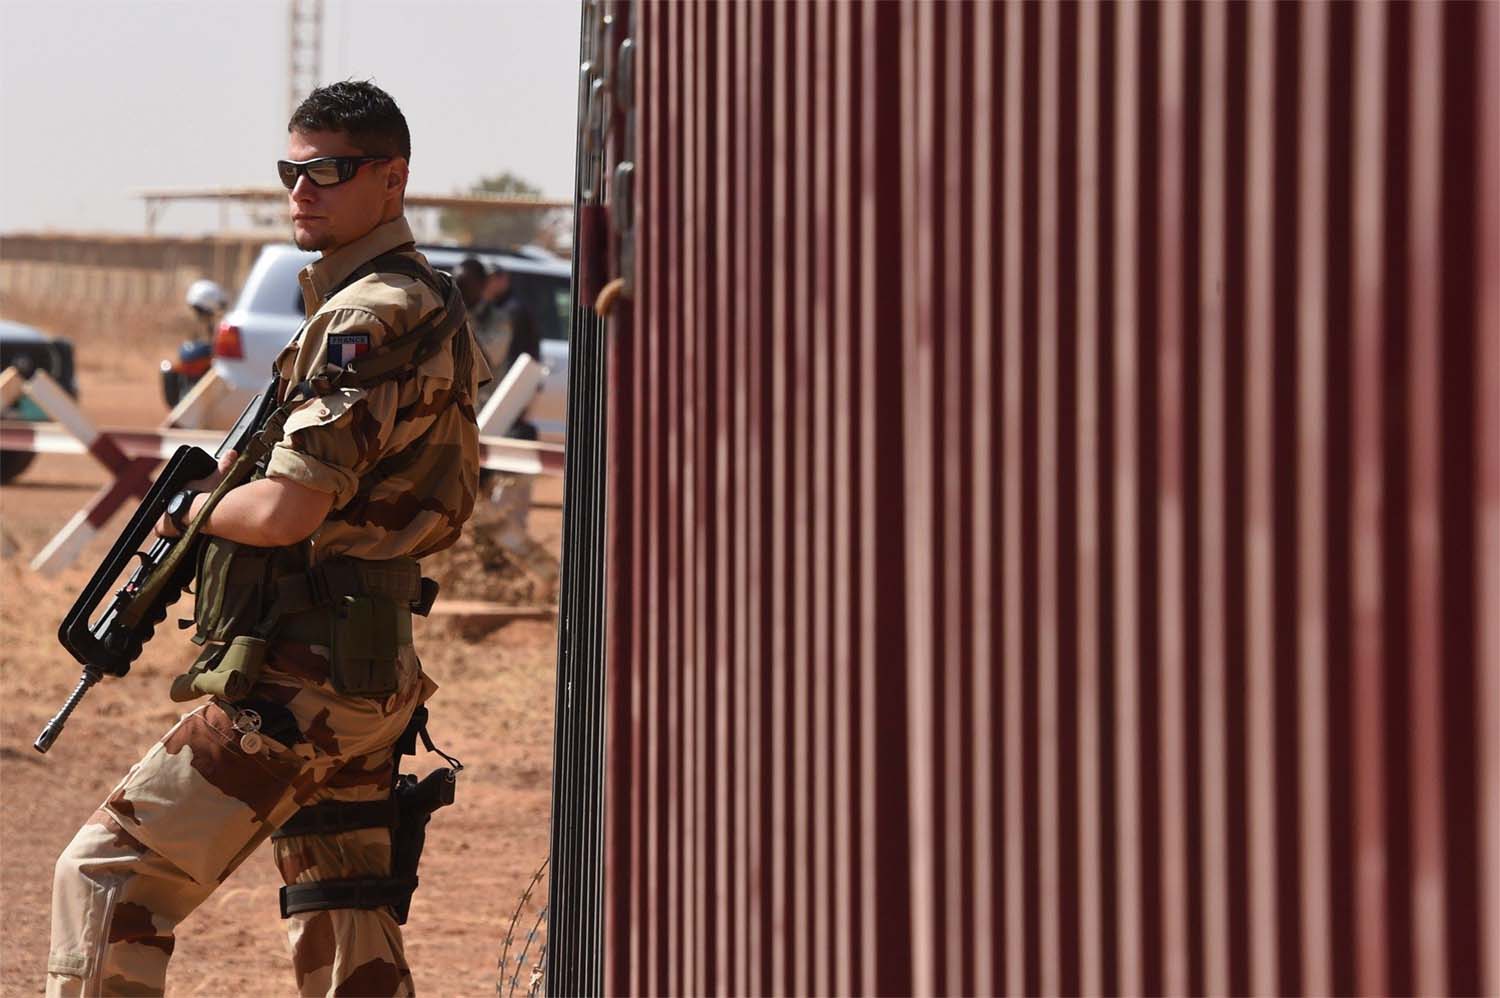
(311, 243)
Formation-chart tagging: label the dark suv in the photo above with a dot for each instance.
(30, 350)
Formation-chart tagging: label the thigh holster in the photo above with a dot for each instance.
(406, 813)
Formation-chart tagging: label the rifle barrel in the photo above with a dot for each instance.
(54, 727)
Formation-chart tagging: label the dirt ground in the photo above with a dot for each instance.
(493, 710)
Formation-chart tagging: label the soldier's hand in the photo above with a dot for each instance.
(164, 526)
(211, 482)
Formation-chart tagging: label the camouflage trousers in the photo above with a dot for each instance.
(203, 799)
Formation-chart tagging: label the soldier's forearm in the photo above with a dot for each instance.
(270, 512)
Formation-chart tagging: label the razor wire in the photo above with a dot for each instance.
(508, 979)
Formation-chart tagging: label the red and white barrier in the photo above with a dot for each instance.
(511, 496)
(130, 475)
(520, 457)
(130, 456)
(497, 453)
(12, 387)
(56, 438)
(198, 408)
(514, 394)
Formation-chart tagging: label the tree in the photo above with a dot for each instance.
(490, 227)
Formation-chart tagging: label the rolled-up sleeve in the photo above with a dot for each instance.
(332, 440)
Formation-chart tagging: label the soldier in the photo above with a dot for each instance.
(503, 326)
(306, 586)
(469, 276)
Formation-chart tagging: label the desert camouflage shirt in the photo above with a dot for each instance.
(400, 458)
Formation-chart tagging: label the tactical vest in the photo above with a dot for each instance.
(359, 609)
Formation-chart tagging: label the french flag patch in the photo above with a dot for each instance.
(343, 348)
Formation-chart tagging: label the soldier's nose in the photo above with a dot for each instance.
(304, 189)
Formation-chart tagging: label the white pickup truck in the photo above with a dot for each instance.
(268, 314)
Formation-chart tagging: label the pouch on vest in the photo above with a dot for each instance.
(233, 591)
(225, 670)
(365, 637)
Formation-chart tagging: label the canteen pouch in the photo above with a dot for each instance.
(365, 637)
(226, 671)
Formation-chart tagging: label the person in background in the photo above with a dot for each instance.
(503, 325)
(506, 330)
(208, 303)
(512, 317)
(195, 356)
(469, 275)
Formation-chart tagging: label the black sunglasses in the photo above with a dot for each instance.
(325, 171)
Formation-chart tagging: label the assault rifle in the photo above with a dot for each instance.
(107, 642)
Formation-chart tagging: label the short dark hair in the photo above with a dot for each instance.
(470, 266)
(361, 110)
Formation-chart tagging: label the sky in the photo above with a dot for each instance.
(100, 99)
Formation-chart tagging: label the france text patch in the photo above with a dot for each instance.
(345, 347)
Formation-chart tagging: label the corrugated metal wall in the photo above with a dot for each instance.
(1052, 505)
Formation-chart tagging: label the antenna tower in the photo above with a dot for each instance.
(305, 43)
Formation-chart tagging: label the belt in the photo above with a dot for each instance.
(325, 582)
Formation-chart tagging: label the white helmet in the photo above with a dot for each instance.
(207, 298)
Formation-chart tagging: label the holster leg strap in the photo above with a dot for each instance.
(321, 895)
(334, 816)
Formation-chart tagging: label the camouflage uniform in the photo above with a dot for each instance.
(401, 461)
